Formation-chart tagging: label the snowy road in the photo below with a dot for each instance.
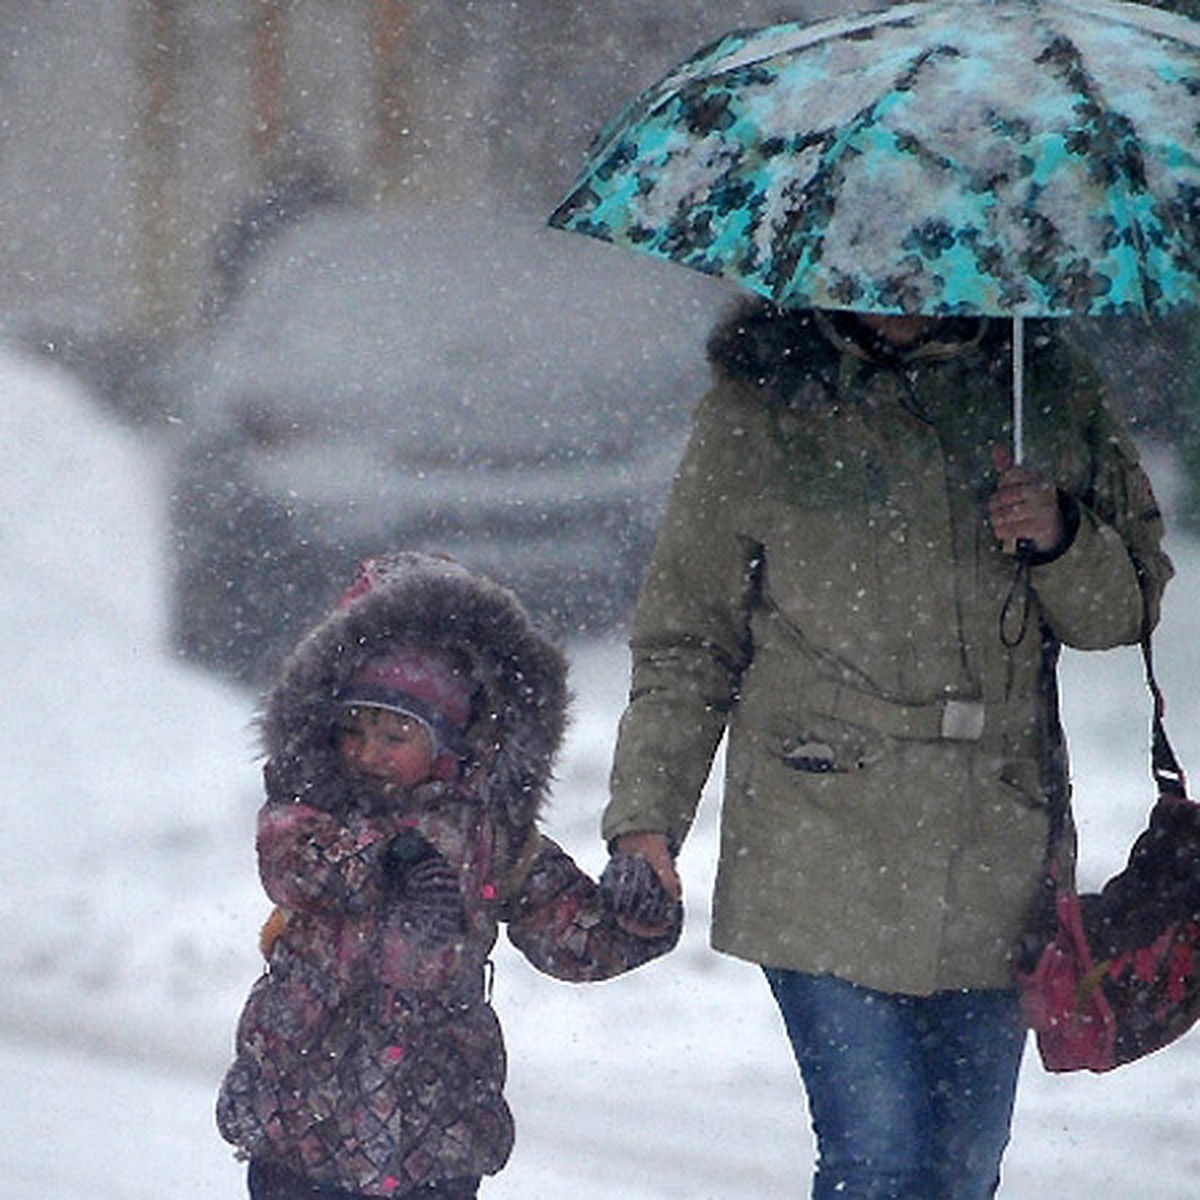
(80, 1127)
(83, 1128)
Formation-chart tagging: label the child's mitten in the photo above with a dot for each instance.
(433, 903)
(426, 889)
(632, 889)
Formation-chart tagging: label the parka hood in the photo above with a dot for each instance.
(419, 600)
(795, 353)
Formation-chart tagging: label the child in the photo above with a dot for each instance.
(409, 744)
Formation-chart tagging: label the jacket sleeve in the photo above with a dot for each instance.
(690, 634)
(559, 921)
(313, 861)
(1107, 586)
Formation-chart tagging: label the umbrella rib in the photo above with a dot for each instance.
(782, 39)
(1113, 148)
(707, 62)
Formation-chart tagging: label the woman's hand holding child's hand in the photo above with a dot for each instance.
(641, 884)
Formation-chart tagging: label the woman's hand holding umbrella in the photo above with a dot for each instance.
(1025, 507)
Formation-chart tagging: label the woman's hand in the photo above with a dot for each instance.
(1025, 506)
(653, 847)
(632, 890)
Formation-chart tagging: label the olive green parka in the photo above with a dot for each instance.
(826, 588)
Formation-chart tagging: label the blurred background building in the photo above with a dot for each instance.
(157, 155)
(148, 144)
(170, 168)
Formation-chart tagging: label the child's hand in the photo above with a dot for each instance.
(433, 904)
(656, 850)
(427, 888)
(632, 889)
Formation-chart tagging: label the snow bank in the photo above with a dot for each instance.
(128, 776)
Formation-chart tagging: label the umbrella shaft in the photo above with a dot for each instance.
(1018, 389)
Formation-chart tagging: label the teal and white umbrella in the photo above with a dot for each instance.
(1011, 158)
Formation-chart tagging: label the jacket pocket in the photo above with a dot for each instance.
(819, 752)
(1021, 781)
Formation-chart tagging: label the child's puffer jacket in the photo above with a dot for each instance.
(368, 1056)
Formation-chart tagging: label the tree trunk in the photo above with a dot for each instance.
(158, 257)
(268, 87)
(392, 51)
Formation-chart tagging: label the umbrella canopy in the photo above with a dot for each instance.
(1004, 157)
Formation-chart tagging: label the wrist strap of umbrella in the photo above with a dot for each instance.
(1165, 768)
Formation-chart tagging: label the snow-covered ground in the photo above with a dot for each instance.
(130, 904)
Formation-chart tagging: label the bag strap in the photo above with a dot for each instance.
(1164, 765)
(1165, 768)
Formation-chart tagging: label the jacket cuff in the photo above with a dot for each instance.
(617, 827)
(1090, 591)
(1068, 506)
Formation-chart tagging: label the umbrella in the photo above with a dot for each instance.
(998, 157)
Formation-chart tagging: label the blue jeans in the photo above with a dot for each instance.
(911, 1097)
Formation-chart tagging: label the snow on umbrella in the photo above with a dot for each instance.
(1002, 157)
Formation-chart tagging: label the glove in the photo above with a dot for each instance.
(433, 904)
(631, 888)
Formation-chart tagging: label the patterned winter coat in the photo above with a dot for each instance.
(368, 1056)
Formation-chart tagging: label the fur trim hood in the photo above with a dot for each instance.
(418, 600)
(795, 353)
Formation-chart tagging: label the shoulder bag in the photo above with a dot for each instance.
(1109, 977)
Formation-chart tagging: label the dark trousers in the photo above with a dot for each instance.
(273, 1183)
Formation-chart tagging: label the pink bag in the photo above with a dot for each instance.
(1112, 976)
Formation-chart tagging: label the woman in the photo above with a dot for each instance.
(834, 584)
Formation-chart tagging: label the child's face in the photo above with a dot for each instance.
(384, 746)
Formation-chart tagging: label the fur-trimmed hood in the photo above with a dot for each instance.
(419, 600)
(795, 353)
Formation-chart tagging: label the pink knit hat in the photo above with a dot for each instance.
(424, 684)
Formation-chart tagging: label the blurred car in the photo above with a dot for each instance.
(511, 396)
